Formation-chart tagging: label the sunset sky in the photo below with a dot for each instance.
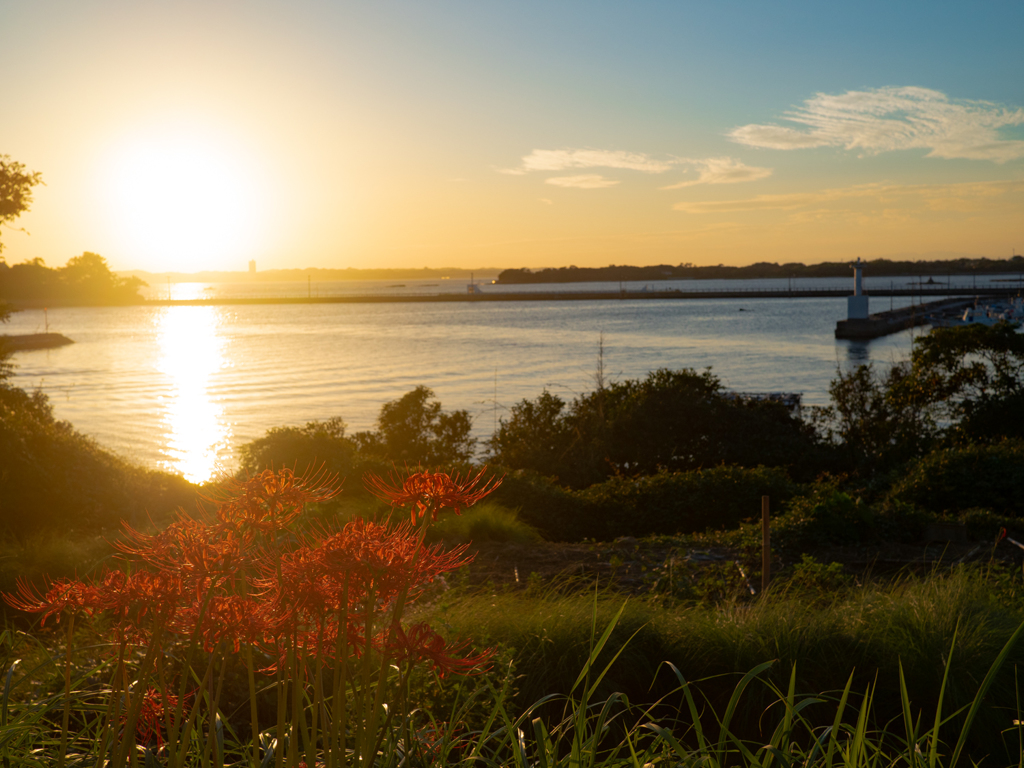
(187, 136)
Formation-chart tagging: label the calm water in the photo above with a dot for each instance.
(182, 387)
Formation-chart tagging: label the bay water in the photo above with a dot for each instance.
(182, 387)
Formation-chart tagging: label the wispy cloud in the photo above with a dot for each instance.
(967, 196)
(585, 181)
(564, 159)
(712, 170)
(722, 170)
(893, 118)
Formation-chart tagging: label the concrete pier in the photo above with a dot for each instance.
(884, 323)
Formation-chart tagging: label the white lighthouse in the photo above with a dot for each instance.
(857, 305)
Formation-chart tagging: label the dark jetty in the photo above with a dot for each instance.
(26, 341)
(884, 323)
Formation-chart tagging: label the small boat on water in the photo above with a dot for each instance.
(987, 314)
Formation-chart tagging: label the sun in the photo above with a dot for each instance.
(184, 203)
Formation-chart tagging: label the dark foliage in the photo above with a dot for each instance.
(762, 269)
(973, 376)
(960, 478)
(557, 513)
(672, 420)
(878, 421)
(84, 280)
(680, 502)
(663, 503)
(15, 190)
(962, 385)
(415, 430)
(52, 477)
(317, 444)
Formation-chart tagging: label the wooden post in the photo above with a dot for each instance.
(766, 547)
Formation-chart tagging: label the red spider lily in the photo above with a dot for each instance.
(431, 491)
(269, 501)
(129, 598)
(428, 742)
(63, 595)
(193, 550)
(421, 643)
(153, 716)
(364, 558)
(236, 618)
(311, 584)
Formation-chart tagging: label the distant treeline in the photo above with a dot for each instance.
(316, 274)
(84, 280)
(762, 269)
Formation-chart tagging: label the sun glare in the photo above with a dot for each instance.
(191, 353)
(184, 204)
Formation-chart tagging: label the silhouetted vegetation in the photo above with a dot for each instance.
(672, 420)
(58, 489)
(15, 190)
(961, 385)
(415, 430)
(84, 280)
(759, 270)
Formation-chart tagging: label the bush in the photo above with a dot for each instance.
(484, 523)
(54, 478)
(681, 502)
(415, 430)
(825, 516)
(674, 420)
(318, 444)
(557, 514)
(957, 479)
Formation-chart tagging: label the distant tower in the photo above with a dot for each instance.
(252, 266)
(857, 305)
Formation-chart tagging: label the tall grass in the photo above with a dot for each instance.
(876, 638)
(763, 717)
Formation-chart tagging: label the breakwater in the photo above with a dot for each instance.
(675, 294)
(884, 323)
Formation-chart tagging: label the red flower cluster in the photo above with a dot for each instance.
(432, 491)
(271, 500)
(157, 707)
(245, 579)
(421, 643)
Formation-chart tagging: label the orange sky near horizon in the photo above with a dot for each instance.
(188, 137)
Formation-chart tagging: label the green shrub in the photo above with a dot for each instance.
(957, 479)
(485, 522)
(677, 420)
(557, 514)
(317, 444)
(826, 516)
(54, 478)
(811, 577)
(681, 502)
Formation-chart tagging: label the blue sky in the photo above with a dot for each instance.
(184, 135)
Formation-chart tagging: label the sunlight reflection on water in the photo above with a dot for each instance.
(182, 388)
(191, 351)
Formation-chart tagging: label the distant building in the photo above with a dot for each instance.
(252, 266)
